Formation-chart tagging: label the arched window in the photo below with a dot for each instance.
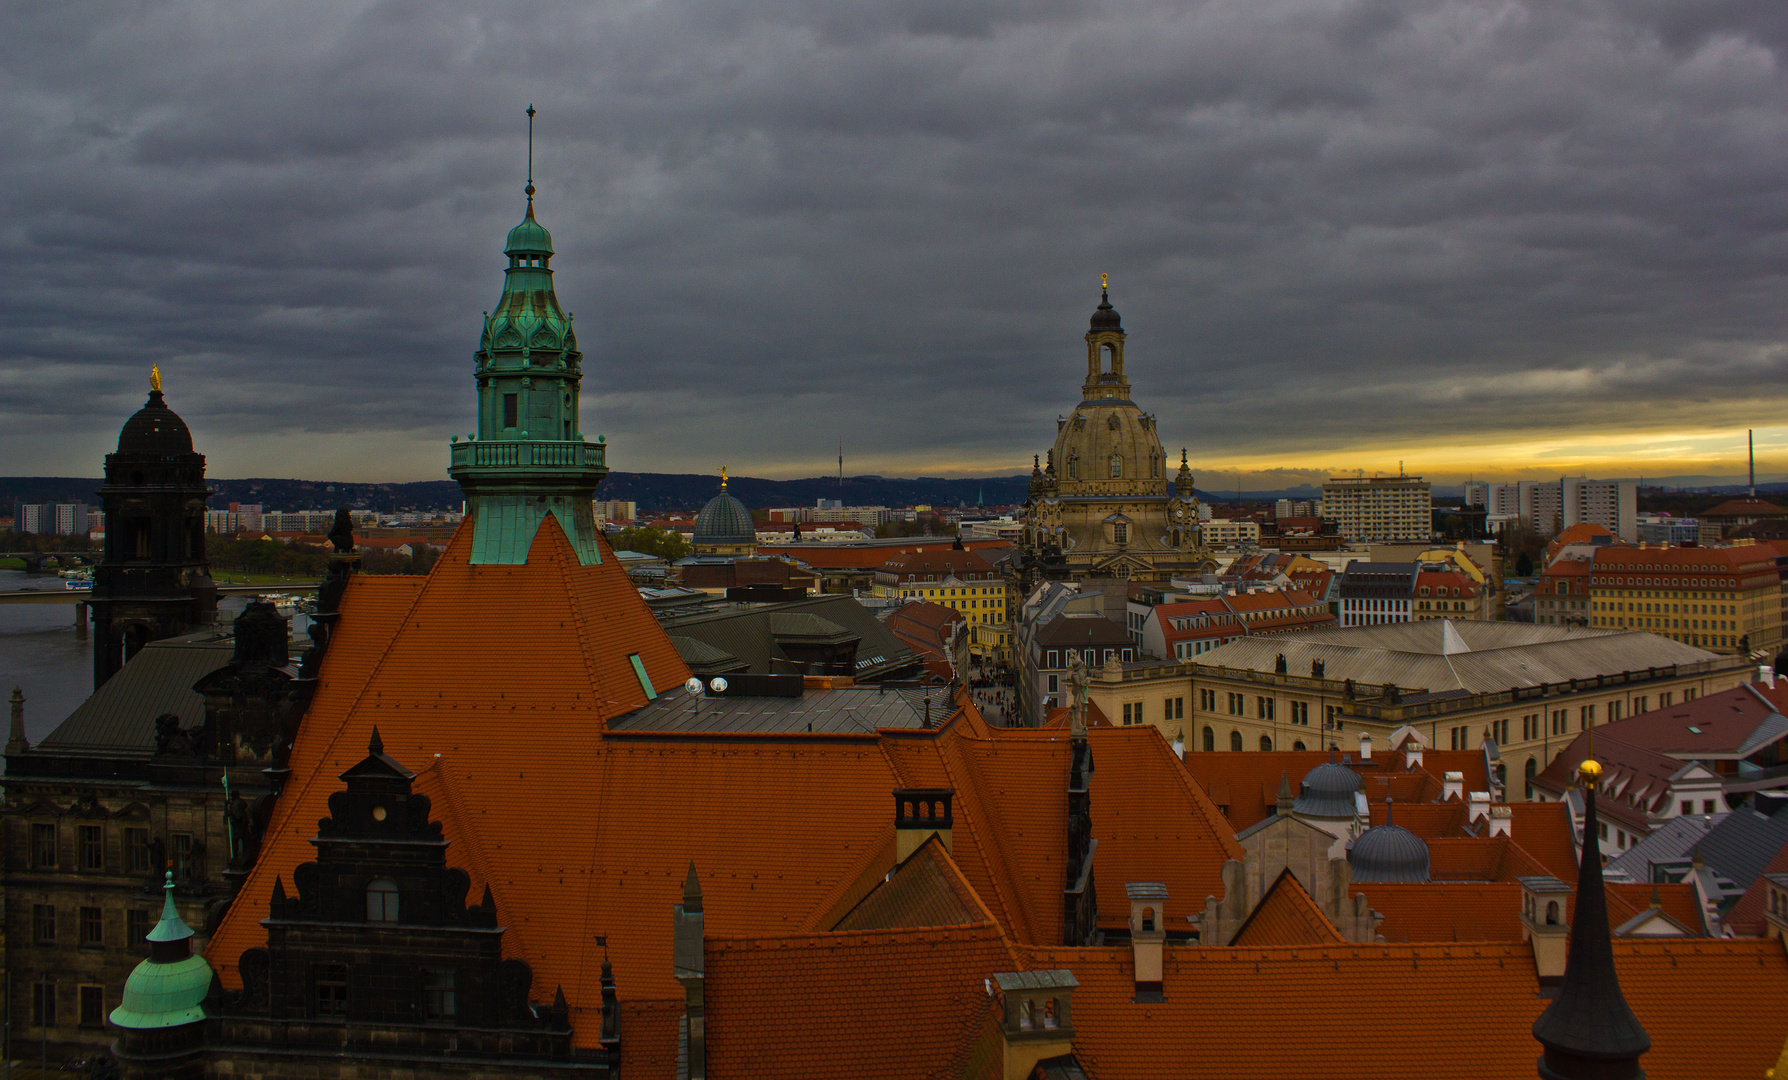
(1117, 466)
(1266, 742)
(1210, 739)
(1106, 355)
(1529, 770)
(1073, 466)
(1235, 740)
(381, 900)
(1148, 918)
(1299, 745)
(1551, 913)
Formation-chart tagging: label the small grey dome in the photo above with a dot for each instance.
(1328, 792)
(1388, 853)
(725, 520)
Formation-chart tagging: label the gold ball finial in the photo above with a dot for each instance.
(1104, 282)
(155, 377)
(1590, 769)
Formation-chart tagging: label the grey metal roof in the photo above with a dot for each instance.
(1060, 978)
(1500, 655)
(1739, 847)
(855, 710)
(746, 632)
(1388, 853)
(1670, 842)
(120, 716)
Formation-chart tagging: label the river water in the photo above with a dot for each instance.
(41, 655)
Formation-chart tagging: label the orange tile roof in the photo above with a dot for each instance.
(1287, 916)
(1461, 1009)
(1247, 781)
(1746, 916)
(1445, 911)
(897, 1004)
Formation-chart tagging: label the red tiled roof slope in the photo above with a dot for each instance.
(1287, 916)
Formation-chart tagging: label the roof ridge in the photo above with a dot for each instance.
(585, 647)
(985, 929)
(460, 831)
(988, 845)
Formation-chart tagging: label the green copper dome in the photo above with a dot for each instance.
(168, 989)
(529, 238)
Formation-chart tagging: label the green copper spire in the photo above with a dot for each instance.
(528, 458)
(168, 989)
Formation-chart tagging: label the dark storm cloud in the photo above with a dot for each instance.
(1328, 223)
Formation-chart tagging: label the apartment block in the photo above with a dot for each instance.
(1372, 508)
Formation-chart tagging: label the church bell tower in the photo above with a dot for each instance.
(152, 581)
(528, 458)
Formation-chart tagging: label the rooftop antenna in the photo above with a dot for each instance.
(1751, 446)
(530, 187)
(840, 464)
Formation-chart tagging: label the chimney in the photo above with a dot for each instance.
(919, 813)
(1037, 1018)
(1453, 788)
(690, 968)
(1365, 746)
(1412, 753)
(1479, 804)
(16, 743)
(1766, 674)
(1148, 933)
(1502, 821)
(1179, 746)
(1544, 925)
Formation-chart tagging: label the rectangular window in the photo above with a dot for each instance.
(43, 924)
(332, 990)
(1707, 806)
(509, 410)
(1688, 806)
(1613, 711)
(93, 1006)
(1052, 683)
(437, 994)
(93, 926)
(1126, 713)
(93, 847)
(43, 1004)
(1050, 659)
(136, 850)
(137, 925)
(43, 846)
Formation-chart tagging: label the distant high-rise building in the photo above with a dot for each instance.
(1379, 508)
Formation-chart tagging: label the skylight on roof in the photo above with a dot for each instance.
(1693, 730)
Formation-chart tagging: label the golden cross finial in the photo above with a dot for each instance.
(155, 377)
(1104, 282)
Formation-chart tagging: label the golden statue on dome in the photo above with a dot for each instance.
(155, 377)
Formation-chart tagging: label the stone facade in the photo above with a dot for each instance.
(1105, 506)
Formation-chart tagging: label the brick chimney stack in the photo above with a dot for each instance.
(1365, 746)
(1452, 787)
(1148, 936)
(1502, 821)
(1037, 1018)
(1544, 925)
(1412, 753)
(1480, 806)
(920, 814)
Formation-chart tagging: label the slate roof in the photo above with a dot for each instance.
(1671, 842)
(119, 718)
(1501, 654)
(747, 633)
(1739, 847)
(856, 710)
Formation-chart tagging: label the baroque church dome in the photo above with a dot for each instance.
(1328, 791)
(725, 520)
(155, 429)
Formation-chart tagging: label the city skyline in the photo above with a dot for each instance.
(1435, 235)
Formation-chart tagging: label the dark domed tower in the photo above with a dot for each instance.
(152, 581)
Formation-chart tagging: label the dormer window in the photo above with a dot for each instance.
(1117, 466)
(381, 901)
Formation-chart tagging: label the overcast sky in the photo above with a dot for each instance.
(1476, 236)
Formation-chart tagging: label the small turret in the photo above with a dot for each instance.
(161, 1016)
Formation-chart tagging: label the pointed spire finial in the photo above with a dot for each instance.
(530, 187)
(1589, 1030)
(692, 891)
(375, 745)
